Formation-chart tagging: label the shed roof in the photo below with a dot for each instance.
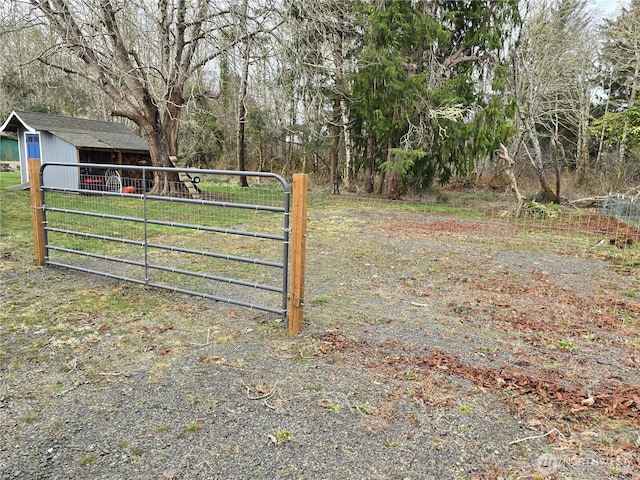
(79, 132)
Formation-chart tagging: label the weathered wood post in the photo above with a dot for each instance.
(36, 210)
(298, 251)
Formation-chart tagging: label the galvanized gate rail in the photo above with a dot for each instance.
(151, 240)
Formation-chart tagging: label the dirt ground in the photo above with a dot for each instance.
(428, 352)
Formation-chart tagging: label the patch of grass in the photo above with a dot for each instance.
(567, 345)
(137, 452)
(466, 409)
(473, 197)
(31, 417)
(162, 428)
(284, 436)
(301, 352)
(88, 459)
(441, 207)
(632, 293)
(363, 408)
(192, 427)
(321, 299)
(550, 366)
(8, 179)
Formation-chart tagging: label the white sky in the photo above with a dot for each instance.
(608, 8)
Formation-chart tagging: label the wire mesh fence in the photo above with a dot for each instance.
(213, 238)
(624, 207)
(557, 229)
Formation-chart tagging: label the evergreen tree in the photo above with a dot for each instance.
(428, 91)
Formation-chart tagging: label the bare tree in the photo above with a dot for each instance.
(553, 70)
(509, 163)
(320, 44)
(142, 54)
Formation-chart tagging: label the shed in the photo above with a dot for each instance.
(59, 139)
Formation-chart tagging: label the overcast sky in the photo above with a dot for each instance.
(608, 8)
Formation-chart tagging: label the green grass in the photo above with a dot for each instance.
(88, 459)
(192, 427)
(284, 436)
(155, 211)
(15, 216)
(567, 345)
(16, 229)
(8, 179)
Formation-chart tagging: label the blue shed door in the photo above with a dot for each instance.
(33, 145)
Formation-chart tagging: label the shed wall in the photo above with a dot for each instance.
(52, 150)
(22, 147)
(56, 150)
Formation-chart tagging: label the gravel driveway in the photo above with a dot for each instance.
(424, 356)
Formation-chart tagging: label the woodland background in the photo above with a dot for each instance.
(373, 96)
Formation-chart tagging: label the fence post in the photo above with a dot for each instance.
(36, 210)
(298, 251)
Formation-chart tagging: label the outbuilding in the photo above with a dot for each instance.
(60, 139)
(8, 148)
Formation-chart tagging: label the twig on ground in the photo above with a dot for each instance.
(74, 365)
(75, 385)
(266, 395)
(553, 430)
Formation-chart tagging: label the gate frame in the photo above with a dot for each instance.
(293, 278)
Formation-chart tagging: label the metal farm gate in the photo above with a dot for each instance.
(209, 237)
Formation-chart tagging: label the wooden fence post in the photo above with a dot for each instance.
(36, 210)
(298, 251)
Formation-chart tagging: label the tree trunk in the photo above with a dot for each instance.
(509, 164)
(582, 161)
(164, 183)
(370, 172)
(349, 170)
(242, 109)
(547, 193)
(393, 186)
(335, 146)
(603, 129)
(393, 181)
(381, 180)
